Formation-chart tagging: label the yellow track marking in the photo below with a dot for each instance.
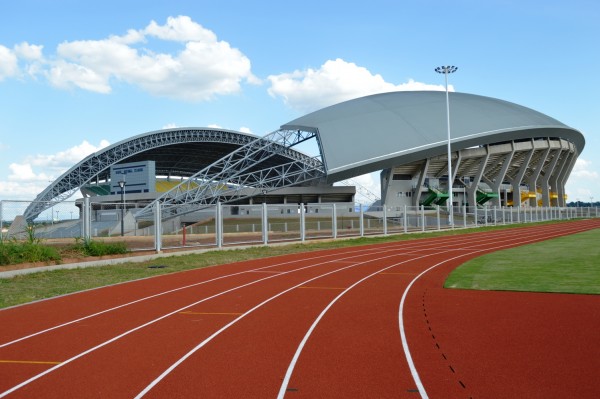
(264, 271)
(27, 362)
(212, 313)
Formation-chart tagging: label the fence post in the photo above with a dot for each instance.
(334, 221)
(302, 223)
(157, 227)
(86, 219)
(385, 220)
(422, 217)
(265, 225)
(438, 217)
(361, 222)
(465, 216)
(405, 217)
(219, 225)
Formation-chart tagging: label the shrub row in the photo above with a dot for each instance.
(15, 252)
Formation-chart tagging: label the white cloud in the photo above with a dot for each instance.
(30, 177)
(583, 169)
(65, 75)
(181, 29)
(582, 181)
(9, 66)
(244, 129)
(203, 68)
(335, 81)
(29, 52)
(170, 126)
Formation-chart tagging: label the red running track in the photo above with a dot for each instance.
(362, 322)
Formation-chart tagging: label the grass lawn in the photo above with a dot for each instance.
(569, 264)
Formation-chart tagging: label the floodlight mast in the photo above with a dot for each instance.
(447, 70)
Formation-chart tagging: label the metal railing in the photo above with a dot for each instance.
(260, 224)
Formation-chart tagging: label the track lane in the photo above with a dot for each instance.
(387, 249)
(345, 387)
(163, 331)
(163, 392)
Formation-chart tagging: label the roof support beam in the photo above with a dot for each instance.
(532, 182)
(516, 181)
(472, 189)
(499, 179)
(547, 175)
(417, 195)
(569, 164)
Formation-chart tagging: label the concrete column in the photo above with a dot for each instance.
(545, 183)
(516, 182)
(497, 182)
(417, 195)
(535, 174)
(472, 189)
(564, 175)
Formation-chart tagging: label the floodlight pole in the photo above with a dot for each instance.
(122, 185)
(447, 70)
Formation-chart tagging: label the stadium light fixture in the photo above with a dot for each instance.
(122, 185)
(448, 70)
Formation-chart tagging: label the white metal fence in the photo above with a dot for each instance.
(228, 225)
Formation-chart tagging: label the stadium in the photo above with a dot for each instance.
(503, 155)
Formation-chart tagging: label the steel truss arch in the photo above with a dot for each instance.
(240, 174)
(91, 166)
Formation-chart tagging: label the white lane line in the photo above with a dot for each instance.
(203, 343)
(390, 246)
(388, 249)
(64, 363)
(409, 359)
(292, 365)
(215, 334)
(161, 294)
(285, 382)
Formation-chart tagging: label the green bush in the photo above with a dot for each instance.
(99, 248)
(13, 252)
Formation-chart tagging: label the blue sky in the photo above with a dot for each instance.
(76, 76)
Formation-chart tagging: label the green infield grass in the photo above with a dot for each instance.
(569, 264)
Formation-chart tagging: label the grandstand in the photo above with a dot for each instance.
(503, 155)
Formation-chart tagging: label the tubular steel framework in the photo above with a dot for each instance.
(99, 163)
(228, 179)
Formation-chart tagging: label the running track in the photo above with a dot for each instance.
(361, 322)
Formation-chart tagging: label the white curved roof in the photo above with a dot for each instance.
(384, 130)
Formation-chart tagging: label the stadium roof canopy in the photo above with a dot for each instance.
(384, 130)
(354, 137)
(177, 152)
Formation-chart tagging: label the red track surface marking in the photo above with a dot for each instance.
(232, 331)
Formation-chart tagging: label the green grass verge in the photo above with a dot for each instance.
(569, 264)
(30, 287)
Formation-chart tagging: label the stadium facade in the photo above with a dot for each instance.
(502, 154)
